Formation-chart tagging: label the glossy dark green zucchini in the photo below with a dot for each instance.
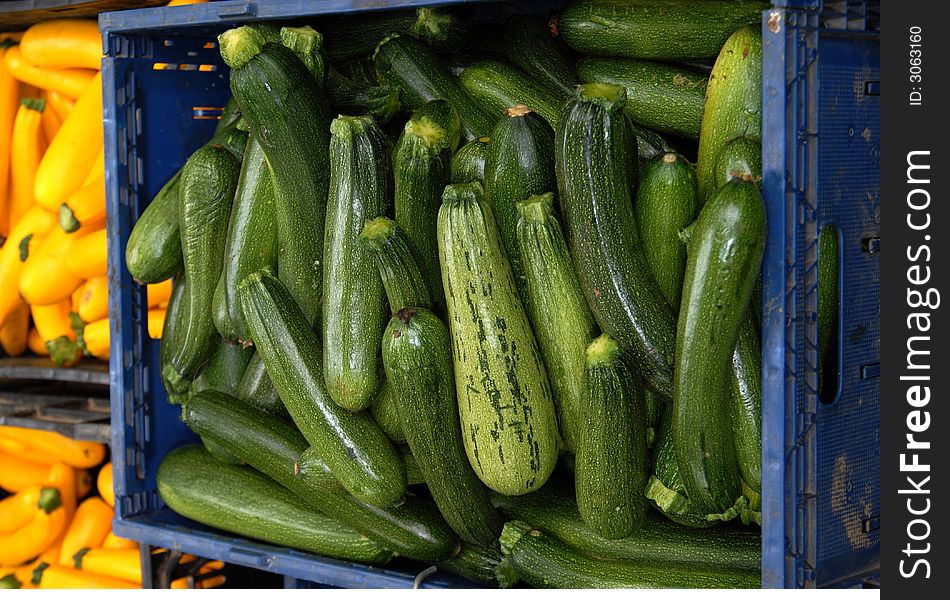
(402, 278)
(256, 389)
(356, 36)
(496, 86)
(153, 252)
(354, 301)
(529, 44)
(358, 452)
(468, 164)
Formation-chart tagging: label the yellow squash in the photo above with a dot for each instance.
(35, 223)
(48, 520)
(69, 82)
(66, 479)
(63, 44)
(87, 257)
(9, 101)
(35, 343)
(114, 542)
(59, 577)
(51, 123)
(81, 455)
(60, 103)
(17, 510)
(156, 323)
(90, 526)
(119, 564)
(46, 277)
(104, 484)
(159, 293)
(55, 327)
(14, 330)
(18, 474)
(94, 299)
(96, 337)
(72, 154)
(86, 204)
(26, 149)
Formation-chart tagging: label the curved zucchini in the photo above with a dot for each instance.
(417, 357)
(468, 164)
(354, 312)
(421, 166)
(251, 243)
(358, 452)
(286, 106)
(667, 202)
(386, 415)
(414, 528)
(153, 252)
(407, 63)
(402, 278)
(505, 405)
(352, 96)
(519, 164)
(205, 192)
(745, 412)
(244, 502)
(528, 43)
(559, 312)
(174, 335)
(497, 86)
(596, 173)
(224, 370)
(544, 562)
(723, 256)
(733, 102)
(610, 469)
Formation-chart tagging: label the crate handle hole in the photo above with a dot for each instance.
(829, 320)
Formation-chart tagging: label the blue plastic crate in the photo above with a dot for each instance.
(165, 83)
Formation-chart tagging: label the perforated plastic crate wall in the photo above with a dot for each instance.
(819, 461)
(821, 165)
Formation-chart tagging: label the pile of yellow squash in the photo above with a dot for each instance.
(53, 533)
(52, 195)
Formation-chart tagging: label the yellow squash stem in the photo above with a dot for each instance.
(35, 223)
(72, 154)
(69, 82)
(63, 44)
(26, 149)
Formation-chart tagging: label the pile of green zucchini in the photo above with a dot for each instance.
(478, 297)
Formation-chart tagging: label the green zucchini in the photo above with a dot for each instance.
(482, 564)
(219, 453)
(287, 108)
(739, 157)
(358, 452)
(415, 69)
(468, 164)
(225, 368)
(665, 489)
(596, 173)
(666, 203)
(733, 102)
(723, 255)
(421, 166)
(519, 164)
(174, 334)
(529, 45)
(242, 501)
(153, 252)
(229, 117)
(356, 36)
(251, 243)
(505, 405)
(354, 312)
(554, 510)
(417, 357)
(827, 302)
(402, 278)
(663, 97)
(611, 464)
(559, 312)
(666, 30)
(233, 139)
(205, 192)
(544, 562)
(386, 415)
(355, 97)
(496, 86)
(414, 528)
(256, 389)
(311, 467)
(457, 62)
(745, 411)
